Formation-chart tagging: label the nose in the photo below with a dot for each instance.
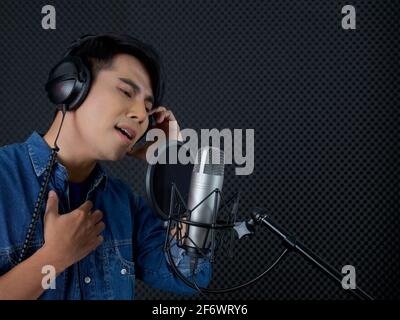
(138, 111)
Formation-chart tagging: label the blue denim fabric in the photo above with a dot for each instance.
(133, 238)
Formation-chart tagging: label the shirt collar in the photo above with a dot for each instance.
(40, 153)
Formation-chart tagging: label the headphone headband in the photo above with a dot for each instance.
(78, 43)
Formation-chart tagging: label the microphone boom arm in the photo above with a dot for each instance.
(259, 216)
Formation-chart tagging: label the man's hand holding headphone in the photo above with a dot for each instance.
(165, 120)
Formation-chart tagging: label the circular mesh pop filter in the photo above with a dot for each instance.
(166, 171)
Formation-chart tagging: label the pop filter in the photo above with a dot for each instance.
(167, 171)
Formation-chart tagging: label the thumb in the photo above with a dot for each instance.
(52, 205)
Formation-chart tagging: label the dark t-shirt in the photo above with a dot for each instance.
(78, 192)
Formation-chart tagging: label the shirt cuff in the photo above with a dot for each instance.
(183, 261)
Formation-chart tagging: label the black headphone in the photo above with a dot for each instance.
(69, 80)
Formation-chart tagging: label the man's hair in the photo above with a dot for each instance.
(98, 52)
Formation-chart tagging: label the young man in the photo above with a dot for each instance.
(96, 233)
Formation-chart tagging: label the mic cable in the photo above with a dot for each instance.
(39, 201)
(203, 291)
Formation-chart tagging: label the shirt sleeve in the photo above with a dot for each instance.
(151, 262)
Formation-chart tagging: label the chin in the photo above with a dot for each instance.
(112, 156)
(116, 157)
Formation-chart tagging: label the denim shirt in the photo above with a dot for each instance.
(133, 237)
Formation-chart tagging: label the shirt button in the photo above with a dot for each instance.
(123, 271)
(87, 280)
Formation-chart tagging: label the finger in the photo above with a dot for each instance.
(86, 206)
(158, 114)
(98, 228)
(52, 205)
(160, 117)
(158, 109)
(99, 240)
(166, 115)
(96, 216)
(95, 242)
(170, 116)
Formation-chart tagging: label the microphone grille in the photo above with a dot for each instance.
(210, 160)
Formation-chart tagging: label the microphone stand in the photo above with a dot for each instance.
(259, 215)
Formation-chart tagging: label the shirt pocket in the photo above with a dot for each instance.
(120, 271)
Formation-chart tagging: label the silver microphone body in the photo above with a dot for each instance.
(207, 176)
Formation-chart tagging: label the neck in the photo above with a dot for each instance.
(72, 154)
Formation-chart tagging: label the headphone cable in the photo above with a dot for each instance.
(43, 188)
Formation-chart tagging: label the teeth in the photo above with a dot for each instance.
(125, 132)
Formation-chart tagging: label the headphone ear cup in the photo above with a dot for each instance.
(68, 83)
(82, 89)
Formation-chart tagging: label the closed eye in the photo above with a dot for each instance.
(126, 93)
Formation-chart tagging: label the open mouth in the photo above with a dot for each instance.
(125, 133)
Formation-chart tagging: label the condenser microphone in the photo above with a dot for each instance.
(204, 199)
